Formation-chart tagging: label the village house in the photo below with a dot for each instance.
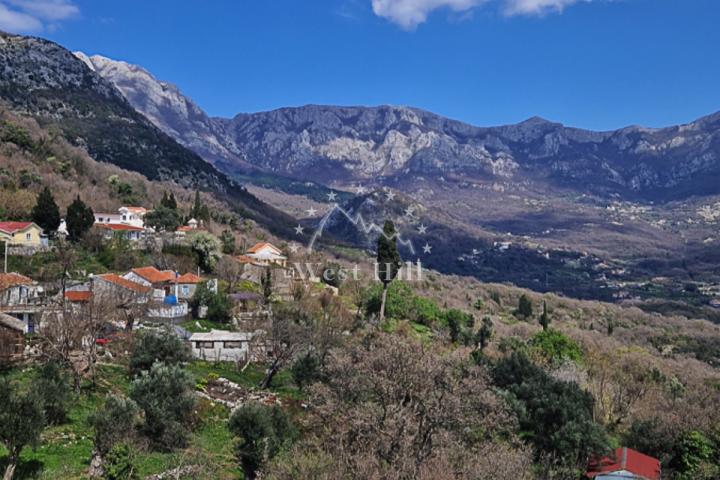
(21, 298)
(111, 285)
(170, 291)
(160, 280)
(166, 281)
(191, 226)
(133, 216)
(25, 234)
(626, 464)
(220, 345)
(187, 284)
(265, 253)
(12, 339)
(113, 230)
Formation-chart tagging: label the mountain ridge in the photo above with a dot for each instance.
(338, 145)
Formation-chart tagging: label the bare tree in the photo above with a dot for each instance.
(231, 271)
(392, 409)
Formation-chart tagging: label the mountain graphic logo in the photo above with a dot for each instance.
(359, 222)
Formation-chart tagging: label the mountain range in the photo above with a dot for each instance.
(538, 204)
(340, 145)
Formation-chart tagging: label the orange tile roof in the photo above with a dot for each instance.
(259, 246)
(153, 275)
(189, 278)
(245, 259)
(78, 295)
(135, 209)
(8, 280)
(119, 227)
(12, 227)
(127, 284)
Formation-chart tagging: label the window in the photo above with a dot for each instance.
(204, 344)
(28, 236)
(232, 344)
(185, 290)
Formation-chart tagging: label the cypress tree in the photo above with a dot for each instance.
(545, 318)
(388, 259)
(46, 212)
(79, 219)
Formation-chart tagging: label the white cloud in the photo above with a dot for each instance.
(30, 16)
(411, 13)
(536, 7)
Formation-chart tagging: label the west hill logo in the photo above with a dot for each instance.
(368, 229)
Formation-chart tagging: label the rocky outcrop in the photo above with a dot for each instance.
(334, 144)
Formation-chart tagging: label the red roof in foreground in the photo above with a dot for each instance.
(12, 227)
(627, 459)
(78, 295)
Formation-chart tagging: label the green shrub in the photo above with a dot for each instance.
(398, 303)
(525, 308)
(150, 347)
(555, 346)
(424, 311)
(166, 395)
(120, 464)
(53, 386)
(113, 423)
(555, 416)
(262, 433)
(305, 370)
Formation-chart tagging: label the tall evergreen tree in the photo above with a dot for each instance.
(197, 205)
(79, 219)
(168, 201)
(388, 259)
(545, 317)
(46, 212)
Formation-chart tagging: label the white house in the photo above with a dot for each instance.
(132, 216)
(266, 253)
(130, 232)
(220, 345)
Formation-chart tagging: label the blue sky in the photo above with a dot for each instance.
(597, 64)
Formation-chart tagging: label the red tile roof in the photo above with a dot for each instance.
(12, 227)
(189, 278)
(153, 275)
(78, 295)
(127, 284)
(259, 246)
(8, 280)
(135, 209)
(119, 227)
(627, 459)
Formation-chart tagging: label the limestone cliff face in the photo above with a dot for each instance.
(347, 144)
